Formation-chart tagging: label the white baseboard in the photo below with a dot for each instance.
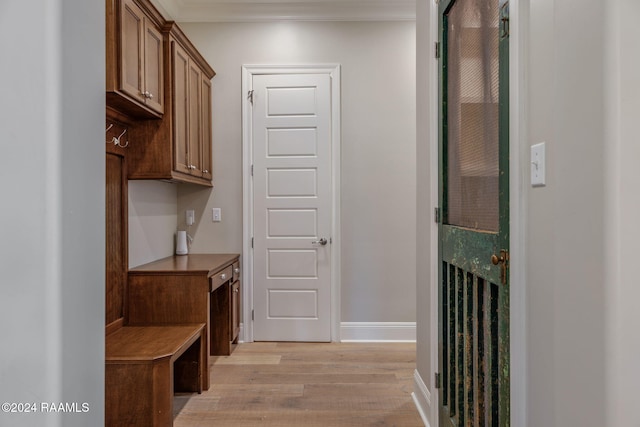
(421, 397)
(378, 331)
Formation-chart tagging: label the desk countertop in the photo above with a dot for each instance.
(190, 264)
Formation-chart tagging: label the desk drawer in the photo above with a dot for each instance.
(220, 277)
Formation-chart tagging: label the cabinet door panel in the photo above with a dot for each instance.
(195, 117)
(206, 128)
(234, 328)
(132, 50)
(180, 111)
(154, 82)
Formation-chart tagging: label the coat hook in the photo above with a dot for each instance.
(110, 126)
(118, 140)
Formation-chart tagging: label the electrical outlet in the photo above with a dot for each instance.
(190, 217)
(216, 214)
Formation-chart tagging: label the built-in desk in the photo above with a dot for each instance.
(195, 288)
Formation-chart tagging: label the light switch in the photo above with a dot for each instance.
(190, 217)
(538, 165)
(217, 214)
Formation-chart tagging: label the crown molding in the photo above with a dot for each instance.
(291, 10)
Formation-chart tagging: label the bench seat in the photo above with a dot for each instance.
(145, 365)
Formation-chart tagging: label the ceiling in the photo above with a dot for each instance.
(275, 10)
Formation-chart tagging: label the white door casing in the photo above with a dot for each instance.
(291, 146)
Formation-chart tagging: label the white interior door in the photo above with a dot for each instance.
(292, 209)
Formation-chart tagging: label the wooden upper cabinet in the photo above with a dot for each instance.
(178, 147)
(135, 58)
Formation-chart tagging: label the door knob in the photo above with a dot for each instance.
(322, 242)
(503, 260)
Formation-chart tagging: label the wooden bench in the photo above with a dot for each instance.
(145, 365)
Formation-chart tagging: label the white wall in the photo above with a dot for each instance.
(153, 219)
(378, 149)
(52, 183)
(566, 285)
(425, 225)
(622, 205)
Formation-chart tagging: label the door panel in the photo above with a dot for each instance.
(154, 63)
(474, 232)
(117, 262)
(292, 223)
(195, 119)
(132, 20)
(180, 60)
(291, 183)
(206, 158)
(292, 207)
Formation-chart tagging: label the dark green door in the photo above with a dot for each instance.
(474, 220)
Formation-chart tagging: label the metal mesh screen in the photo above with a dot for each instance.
(472, 161)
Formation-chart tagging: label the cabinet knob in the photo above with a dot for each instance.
(236, 270)
(223, 276)
(205, 171)
(149, 95)
(236, 290)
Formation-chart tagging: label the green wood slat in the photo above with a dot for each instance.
(444, 333)
(479, 352)
(460, 326)
(452, 340)
(469, 380)
(494, 366)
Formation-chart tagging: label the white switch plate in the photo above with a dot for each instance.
(217, 214)
(190, 217)
(538, 165)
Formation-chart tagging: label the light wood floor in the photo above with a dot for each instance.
(306, 385)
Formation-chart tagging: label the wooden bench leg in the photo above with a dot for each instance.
(189, 369)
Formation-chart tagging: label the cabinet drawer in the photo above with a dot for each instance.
(220, 277)
(236, 271)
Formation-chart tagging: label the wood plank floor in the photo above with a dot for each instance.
(306, 385)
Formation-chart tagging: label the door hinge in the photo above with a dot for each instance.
(251, 170)
(252, 243)
(437, 216)
(250, 96)
(438, 380)
(253, 315)
(437, 50)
